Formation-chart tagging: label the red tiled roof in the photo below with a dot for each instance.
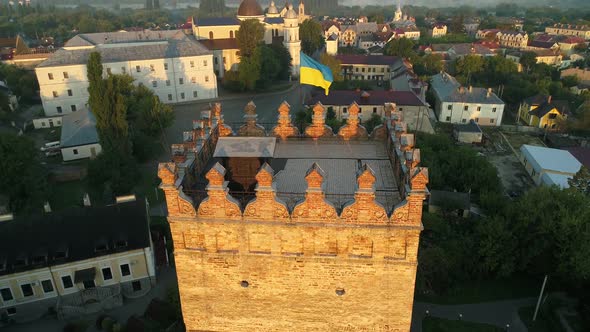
(574, 40)
(347, 59)
(346, 97)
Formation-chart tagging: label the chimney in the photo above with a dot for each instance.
(86, 199)
(549, 99)
(47, 207)
(470, 89)
(489, 92)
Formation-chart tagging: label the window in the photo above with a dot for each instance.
(195, 94)
(231, 34)
(360, 110)
(73, 108)
(363, 70)
(70, 92)
(343, 109)
(192, 64)
(6, 294)
(123, 70)
(193, 79)
(533, 173)
(125, 270)
(167, 82)
(47, 286)
(75, 151)
(165, 66)
(206, 78)
(181, 80)
(215, 60)
(374, 110)
(169, 97)
(401, 109)
(138, 69)
(59, 110)
(89, 284)
(450, 107)
(152, 68)
(136, 286)
(55, 95)
(109, 71)
(463, 120)
(477, 120)
(27, 290)
(11, 311)
(356, 69)
(448, 118)
(67, 282)
(204, 63)
(552, 116)
(182, 95)
(479, 108)
(155, 84)
(210, 34)
(494, 110)
(491, 120)
(466, 108)
(66, 75)
(382, 70)
(107, 274)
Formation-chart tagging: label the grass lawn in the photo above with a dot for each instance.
(485, 291)
(432, 324)
(519, 139)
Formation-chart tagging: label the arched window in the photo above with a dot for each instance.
(210, 34)
(231, 34)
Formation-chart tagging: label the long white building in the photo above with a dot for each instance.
(172, 64)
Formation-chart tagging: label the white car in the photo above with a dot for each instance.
(50, 146)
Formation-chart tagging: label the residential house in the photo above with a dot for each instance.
(332, 44)
(330, 28)
(451, 52)
(411, 32)
(173, 65)
(368, 67)
(438, 30)
(543, 112)
(471, 26)
(348, 37)
(79, 138)
(549, 57)
(458, 104)
(511, 39)
(489, 34)
(582, 31)
(372, 102)
(546, 166)
(77, 261)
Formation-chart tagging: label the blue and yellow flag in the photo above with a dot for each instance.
(314, 73)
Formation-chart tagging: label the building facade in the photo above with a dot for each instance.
(438, 30)
(368, 67)
(547, 166)
(458, 104)
(173, 65)
(543, 112)
(582, 31)
(67, 259)
(286, 258)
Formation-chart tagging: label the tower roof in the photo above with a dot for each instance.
(250, 8)
(291, 12)
(272, 9)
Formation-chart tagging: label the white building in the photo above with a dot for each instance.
(549, 166)
(219, 33)
(79, 138)
(582, 31)
(438, 30)
(458, 104)
(173, 65)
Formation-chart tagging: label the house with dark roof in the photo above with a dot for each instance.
(468, 133)
(544, 112)
(77, 261)
(79, 138)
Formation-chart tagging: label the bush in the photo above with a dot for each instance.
(107, 324)
(231, 81)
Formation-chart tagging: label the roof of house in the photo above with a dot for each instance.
(215, 21)
(368, 59)
(449, 90)
(541, 44)
(562, 106)
(573, 40)
(582, 154)
(466, 48)
(169, 45)
(328, 24)
(78, 128)
(220, 44)
(347, 97)
(77, 230)
(451, 198)
(555, 160)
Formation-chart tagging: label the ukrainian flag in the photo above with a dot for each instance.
(314, 73)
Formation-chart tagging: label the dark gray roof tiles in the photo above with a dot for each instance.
(78, 128)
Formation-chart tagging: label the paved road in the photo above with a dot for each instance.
(497, 313)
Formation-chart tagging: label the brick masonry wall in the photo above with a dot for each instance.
(293, 271)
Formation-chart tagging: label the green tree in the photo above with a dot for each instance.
(528, 60)
(402, 47)
(373, 122)
(147, 114)
(469, 65)
(312, 36)
(22, 178)
(429, 64)
(249, 71)
(284, 57)
(581, 181)
(249, 36)
(334, 64)
(270, 66)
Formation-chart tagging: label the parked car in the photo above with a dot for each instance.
(52, 153)
(50, 146)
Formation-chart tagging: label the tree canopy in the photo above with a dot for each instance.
(249, 36)
(402, 47)
(312, 36)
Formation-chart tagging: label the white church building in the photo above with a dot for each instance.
(280, 26)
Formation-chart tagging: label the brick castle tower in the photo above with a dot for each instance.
(295, 230)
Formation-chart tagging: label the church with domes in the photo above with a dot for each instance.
(218, 34)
